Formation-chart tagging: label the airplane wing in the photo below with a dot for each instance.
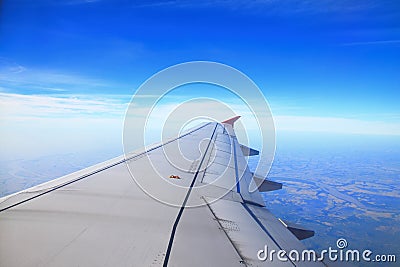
(148, 209)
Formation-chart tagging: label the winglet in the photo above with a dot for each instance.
(231, 121)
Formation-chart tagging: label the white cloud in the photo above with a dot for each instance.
(284, 7)
(15, 77)
(34, 125)
(14, 106)
(335, 125)
(382, 42)
(20, 107)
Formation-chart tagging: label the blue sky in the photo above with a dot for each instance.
(323, 65)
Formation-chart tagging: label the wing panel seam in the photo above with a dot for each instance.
(178, 217)
(226, 234)
(263, 227)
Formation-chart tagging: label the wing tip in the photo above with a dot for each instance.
(231, 121)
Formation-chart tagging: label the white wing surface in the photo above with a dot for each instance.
(185, 202)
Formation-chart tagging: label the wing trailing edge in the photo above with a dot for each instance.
(248, 151)
(299, 231)
(267, 185)
(264, 185)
